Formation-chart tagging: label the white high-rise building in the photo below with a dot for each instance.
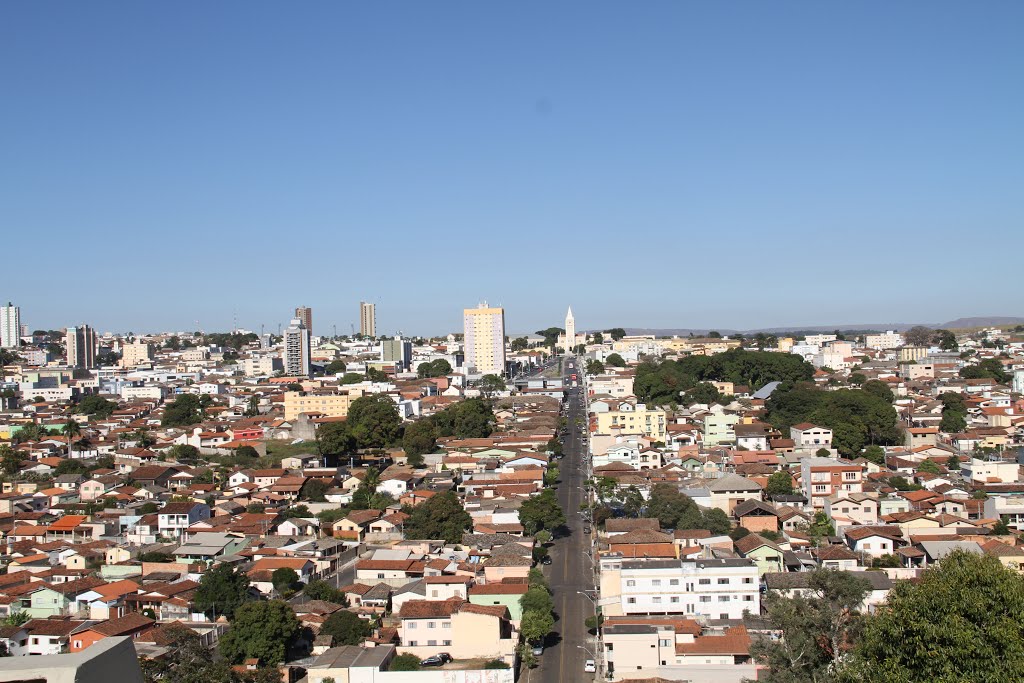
(10, 326)
(367, 319)
(295, 354)
(484, 330)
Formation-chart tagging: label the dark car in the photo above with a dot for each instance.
(439, 659)
(546, 559)
(586, 530)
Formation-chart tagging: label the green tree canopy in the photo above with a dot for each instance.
(335, 438)
(334, 367)
(469, 419)
(284, 579)
(594, 367)
(97, 406)
(405, 662)
(490, 384)
(541, 512)
(614, 360)
(780, 484)
(374, 421)
(435, 368)
(551, 335)
(616, 333)
(261, 630)
(519, 344)
(185, 410)
(990, 368)
(221, 591)
(420, 438)
(440, 517)
(346, 628)
(960, 622)
(817, 628)
(857, 417)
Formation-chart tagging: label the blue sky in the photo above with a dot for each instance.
(657, 164)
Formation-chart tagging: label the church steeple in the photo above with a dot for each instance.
(570, 331)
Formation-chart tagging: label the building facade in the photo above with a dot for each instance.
(367, 319)
(305, 314)
(295, 353)
(484, 329)
(80, 345)
(10, 326)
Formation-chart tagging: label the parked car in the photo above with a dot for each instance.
(588, 666)
(587, 529)
(440, 659)
(538, 650)
(545, 560)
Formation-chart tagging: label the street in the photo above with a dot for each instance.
(572, 570)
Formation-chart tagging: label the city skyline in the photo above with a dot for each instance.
(702, 140)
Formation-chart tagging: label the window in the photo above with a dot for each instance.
(748, 598)
(630, 583)
(748, 579)
(447, 624)
(705, 598)
(705, 582)
(663, 642)
(675, 598)
(656, 582)
(380, 575)
(656, 599)
(77, 644)
(631, 601)
(431, 624)
(431, 642)
(673, 582)
(723, 598)
(446, 643)
(412, 643)
(723, 582)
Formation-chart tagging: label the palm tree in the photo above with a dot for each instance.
(372, 479)
(71, 429)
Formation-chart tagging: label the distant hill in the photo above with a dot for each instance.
(980, 321)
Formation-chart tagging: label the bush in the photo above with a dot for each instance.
(405, 662)
(495, 664)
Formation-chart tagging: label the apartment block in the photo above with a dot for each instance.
(484, 339)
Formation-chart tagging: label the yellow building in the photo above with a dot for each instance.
(137, 353)
(484, 330)
(634, 420)
(333, 404)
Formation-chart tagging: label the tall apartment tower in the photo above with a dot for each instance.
(296, 350)
(367, 319)
(80, 345)
(484, 330)
(305, 314)
(396, 350)
(10, 326)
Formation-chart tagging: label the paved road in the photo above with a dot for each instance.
(571, 569)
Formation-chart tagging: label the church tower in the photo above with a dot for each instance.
(570, 331)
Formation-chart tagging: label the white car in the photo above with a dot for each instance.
(589, 666)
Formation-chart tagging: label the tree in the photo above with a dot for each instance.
(405, 662)
(990, 368)
(97, 406)
(820, 528)
(335, 367)
(668, 505)
(185, 410)
(10, 460)
(537, 599)
(953, 463)
(929, 467)
(919, 335)
(71, 429)
(616, 333)
(1001, 528)
(519, 344)
(335, 438)
(594, 366)
(535, 625)
(440, 517)
(716, 521)
(293, 386)
(946, 340)
(315, 491)
(246, 453)
(597, 338)
(614, 360)
(858, 378)
(780, 484)
(351, 378)
(704, 392)
(374, 421)
(255, 508)
(817, 628)
(420, 438)
(346, 628)
(221, 591)
(318, 589)
(435, 368)
(469, 419)
(875, 454)
(491, 384)
(375, 375)
(283, 579)
(70, 467)
(551, 335)
(260, 630)
(185, 453)
(541, 512)
(880, 389)
(959, 622)
(253, 406)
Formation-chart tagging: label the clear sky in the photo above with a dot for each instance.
(654, 164)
